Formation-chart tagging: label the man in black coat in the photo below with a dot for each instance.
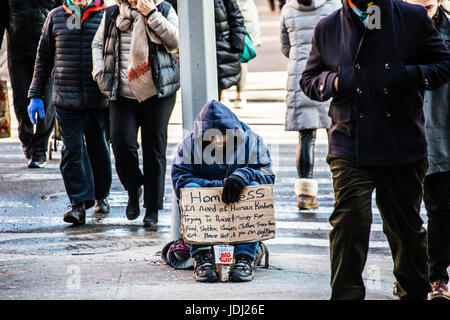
(24, 23)
(81, 110)
(375, 68)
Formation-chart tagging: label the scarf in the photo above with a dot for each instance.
(363, 15)
(139, 69)
(76, 10)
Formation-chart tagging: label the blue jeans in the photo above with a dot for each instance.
(250, 249)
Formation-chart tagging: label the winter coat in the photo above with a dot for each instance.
(109, 60)
(24, 24)
(254, 158)
(65, 48)
(251, 20)
(297, 28)
(437, 113)
(377, 111)
(230, 39)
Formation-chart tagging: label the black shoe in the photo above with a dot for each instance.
(205, 270)
(76, 215)
(101, 207)
(243, 269)
(37, 161)
(133, 211)
(150, 219)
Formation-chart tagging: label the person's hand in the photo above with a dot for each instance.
(335, 84)
(36, 106)
(232, 189)
(145, 6)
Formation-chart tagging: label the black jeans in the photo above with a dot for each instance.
(21, 73)
(437, 203)
(86, 159)
(305, 153)
(399, 192)
(152, 116)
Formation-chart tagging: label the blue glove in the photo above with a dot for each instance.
(36, 105)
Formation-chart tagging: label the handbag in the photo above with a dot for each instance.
(5, 116)
(249, 51)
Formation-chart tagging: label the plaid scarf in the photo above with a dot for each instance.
(363, 15)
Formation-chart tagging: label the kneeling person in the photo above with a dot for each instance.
(222, 152)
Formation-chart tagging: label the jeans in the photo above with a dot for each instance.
(152, 117)
(398, 197)
(437, 203)
(85, 156)
(21, 74)
(250, 249)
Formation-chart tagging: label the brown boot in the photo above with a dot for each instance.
(306, 191)
(307, 202)
(439, 291)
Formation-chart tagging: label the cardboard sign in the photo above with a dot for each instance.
(205, 219)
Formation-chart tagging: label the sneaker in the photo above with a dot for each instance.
(307, 202)
(76, 215)
(204, 268)
(37, 161)
(439, 291)
(133, 211)
(101, 207)
(243, 269)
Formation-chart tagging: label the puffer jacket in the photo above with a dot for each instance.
(437, 113)
(250, 158)
(230, 40)
(251, 20)
(110, 60)
(297, 27)
(65, 48)
(24, 24)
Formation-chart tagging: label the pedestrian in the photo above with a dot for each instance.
(437, 180)
(81, 110)
(298, 19)
(239, 159)
(135, 67)
(230, 40)
(375, 68)
(24, 26)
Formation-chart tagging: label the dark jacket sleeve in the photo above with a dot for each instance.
(434, 70)
(44, 60)
(4, 18)
(237, 27)
(317, 80)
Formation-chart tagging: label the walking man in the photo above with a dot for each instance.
(65, 48)
(374, 58)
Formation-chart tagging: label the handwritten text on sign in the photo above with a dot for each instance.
(205, 219)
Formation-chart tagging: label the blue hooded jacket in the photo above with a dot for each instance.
(249, 158)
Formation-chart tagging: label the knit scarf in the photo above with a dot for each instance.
(75, 9)
(363, 15)
(139, 69)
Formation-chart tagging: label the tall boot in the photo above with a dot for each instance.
(306, 191)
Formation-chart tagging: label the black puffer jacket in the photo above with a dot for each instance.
(67, 51)
(230, 39)
(24, 25)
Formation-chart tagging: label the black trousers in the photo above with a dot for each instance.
(85, 156)
(399, 192)
(437, 203)
(152, 117)
(305, 153)
(21, 73)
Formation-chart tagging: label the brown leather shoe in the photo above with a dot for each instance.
(307, 202)
(439, 291)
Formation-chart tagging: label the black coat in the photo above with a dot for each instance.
(377, 113)
(24, 24)
(230, 39)
(67, 51)
(165, 69)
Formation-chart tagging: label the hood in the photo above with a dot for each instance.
(314, 5)
(216, 115)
